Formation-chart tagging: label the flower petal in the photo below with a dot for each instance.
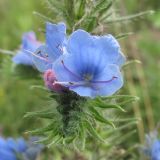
(87, 56)
(41, 59)
(29, 42)
(110, 47)
(104, 84)
(55, 39)
(65, 69)
(108, 81)
(22, 58)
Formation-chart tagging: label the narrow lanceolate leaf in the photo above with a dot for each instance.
(131, 17)
(101, 104)
(103, 4)
(120, 97)
(7, 52)
(106, 8)
(91, 24)
(81, 9)
(100, 118)
(91, 130)
(130, 63)
(41, 114)
(43, 17)
(123, 35)
(129, 101)
(82, 136)
(57, 140)
(48, 128)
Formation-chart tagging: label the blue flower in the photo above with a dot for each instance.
(88, 65)
(91, 65)
(54, 47)
(152, 146)
(155, 151)
(11, 149)
(29, 44)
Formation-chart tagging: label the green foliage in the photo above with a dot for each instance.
(72, 118)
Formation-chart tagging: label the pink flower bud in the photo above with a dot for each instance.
(49, 79)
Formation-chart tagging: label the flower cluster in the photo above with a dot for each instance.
(152, 148)
(88, 65)
(19, 149)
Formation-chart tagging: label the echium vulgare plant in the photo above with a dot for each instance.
(82, 72)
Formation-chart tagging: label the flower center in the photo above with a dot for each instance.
(87, 77)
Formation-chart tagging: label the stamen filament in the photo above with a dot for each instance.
(105, 81)
(42, 58)
(73, 74)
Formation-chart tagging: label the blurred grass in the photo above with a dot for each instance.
(15, 96)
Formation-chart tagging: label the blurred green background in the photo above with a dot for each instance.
(143, 80)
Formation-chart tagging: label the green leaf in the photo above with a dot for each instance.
(101, 104)
(41, 114)
(131, 17)
(43, 16)
(49, 127)
(100, 118)
(57, 140)
(82, 136)
(131, 62)
(92, 131)
(92, 22)
(7, 52)
(106, 7)
(81, 9)
(124, 35)
(119, 97)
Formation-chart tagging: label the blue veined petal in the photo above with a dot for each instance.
(29, 41)
(55, 39)
(65, 69)
(121, 59)
(22, 58)
(108, 81)
(81, 41)
(110, 47)
(41, 59)
(105, 84)
(29, 44)
(87, 56)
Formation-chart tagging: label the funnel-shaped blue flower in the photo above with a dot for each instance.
(29, 44)
(11, 149)
(91, 66)
(54, 47)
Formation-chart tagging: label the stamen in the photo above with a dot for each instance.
(73, 74)
(105, 81)
(70, 84)
(42, 58)
(60, 48)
